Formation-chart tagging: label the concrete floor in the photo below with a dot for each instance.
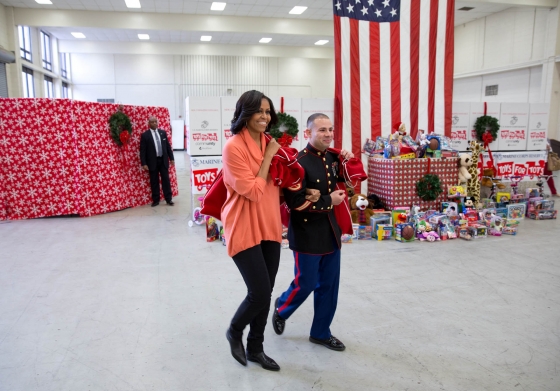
(137, 300)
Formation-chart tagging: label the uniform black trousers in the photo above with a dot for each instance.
(258, 266)
(162, 171)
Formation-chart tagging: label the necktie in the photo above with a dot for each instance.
(158, 144)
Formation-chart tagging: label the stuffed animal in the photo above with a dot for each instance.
(359, 209)
(375, 202)
(464, 163)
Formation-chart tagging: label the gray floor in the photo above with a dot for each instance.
(137, 300)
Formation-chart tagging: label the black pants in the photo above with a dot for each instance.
(165, 184)
(258, 266)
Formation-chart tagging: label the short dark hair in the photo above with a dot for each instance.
(313, 117)
(248, 104)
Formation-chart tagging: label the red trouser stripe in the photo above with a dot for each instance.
(296, 282)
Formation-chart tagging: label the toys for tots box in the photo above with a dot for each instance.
(514, 120)
(204, 169)
(394, 180)
(538, 127)
(228, 109)
(204, 128)
(460, 123)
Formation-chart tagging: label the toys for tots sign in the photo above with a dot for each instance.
(530, 164)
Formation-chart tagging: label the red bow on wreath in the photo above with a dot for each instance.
(487, 139)
(285, 140)
(124, 137)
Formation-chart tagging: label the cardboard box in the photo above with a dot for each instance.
(538, 127)
(460, 125)
(204, 170)
(227, 111)
(514, 121)
(204, 130)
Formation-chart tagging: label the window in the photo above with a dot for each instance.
(65, 90)
(491, 90)
(46, 51)
(64, 60)
(49, 90)
(28, 89)
(25, 43)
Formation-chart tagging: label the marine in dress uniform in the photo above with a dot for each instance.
(314, 237)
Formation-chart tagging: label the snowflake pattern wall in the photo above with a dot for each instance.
(57, 158)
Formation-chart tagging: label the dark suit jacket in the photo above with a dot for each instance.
(148, 156)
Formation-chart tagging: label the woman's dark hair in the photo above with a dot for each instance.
(248, 104)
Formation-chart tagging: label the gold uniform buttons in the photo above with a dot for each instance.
(305, 220)
(324, 159)
(329, 182)
(319, 153)
(318, 180)
(327, 167)
(328, 174)
(314, 207)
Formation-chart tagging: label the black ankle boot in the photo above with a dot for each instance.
(237, 349)
(265, 361)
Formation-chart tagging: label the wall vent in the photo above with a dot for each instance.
(491, 90)
(105, 101)
(465, 9)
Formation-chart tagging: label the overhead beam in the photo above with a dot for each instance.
(520, 3)
(75, 46)
(177, 22)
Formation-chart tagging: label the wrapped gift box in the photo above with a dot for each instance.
(394, 181)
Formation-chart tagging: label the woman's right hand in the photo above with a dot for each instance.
(272, 148)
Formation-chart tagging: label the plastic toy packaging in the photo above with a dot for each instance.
(445, 143)
(380, 143)
(369, 147)
(409, 142)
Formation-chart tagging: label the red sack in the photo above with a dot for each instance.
(215, 198)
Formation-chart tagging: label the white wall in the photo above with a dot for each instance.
(519, 85)
(166, 80)
(506, 39)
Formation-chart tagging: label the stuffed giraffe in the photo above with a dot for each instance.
(473, 184)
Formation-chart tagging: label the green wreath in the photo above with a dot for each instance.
(289, 122)
(119, 122)
(484, 122)
(429, 187)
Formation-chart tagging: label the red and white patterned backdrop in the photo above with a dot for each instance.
(57, 158)
(394, 180)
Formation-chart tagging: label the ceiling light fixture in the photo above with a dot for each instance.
(265, 40)
(206, 38)
(143, 36)
(217, 6)
(43, 1)
(78, 35)
(133, 3)
(321, 42)
(297, 10)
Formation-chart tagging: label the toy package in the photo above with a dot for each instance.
(503, 197)
(463, 233)
(346, 238)
(375, 220)
(532, 192)
(399, 216)
(212, 230)
(364, 232)
(384, 231)
(477, 231)
(515, 211)
(456, 191)
(355, 228)
(449, 208)
(369, 147)
(405, 232)
(541, 214)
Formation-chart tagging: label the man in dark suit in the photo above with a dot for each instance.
(155, 156)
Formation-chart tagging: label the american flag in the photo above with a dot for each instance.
(393, 63)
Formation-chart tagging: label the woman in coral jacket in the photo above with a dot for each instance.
(252, 225)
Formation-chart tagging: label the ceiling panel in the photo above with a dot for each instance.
(318, 10)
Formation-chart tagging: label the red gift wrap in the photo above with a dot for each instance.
(394, 180)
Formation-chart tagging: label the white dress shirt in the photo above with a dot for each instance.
(156, 137)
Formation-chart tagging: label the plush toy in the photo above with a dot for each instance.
(375, 202)
(360, 211)
(464, 162)
(430, 236)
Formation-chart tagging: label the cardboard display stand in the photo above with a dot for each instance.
(514, 120)
(538, 127)
(204, 128)
(460, 124)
